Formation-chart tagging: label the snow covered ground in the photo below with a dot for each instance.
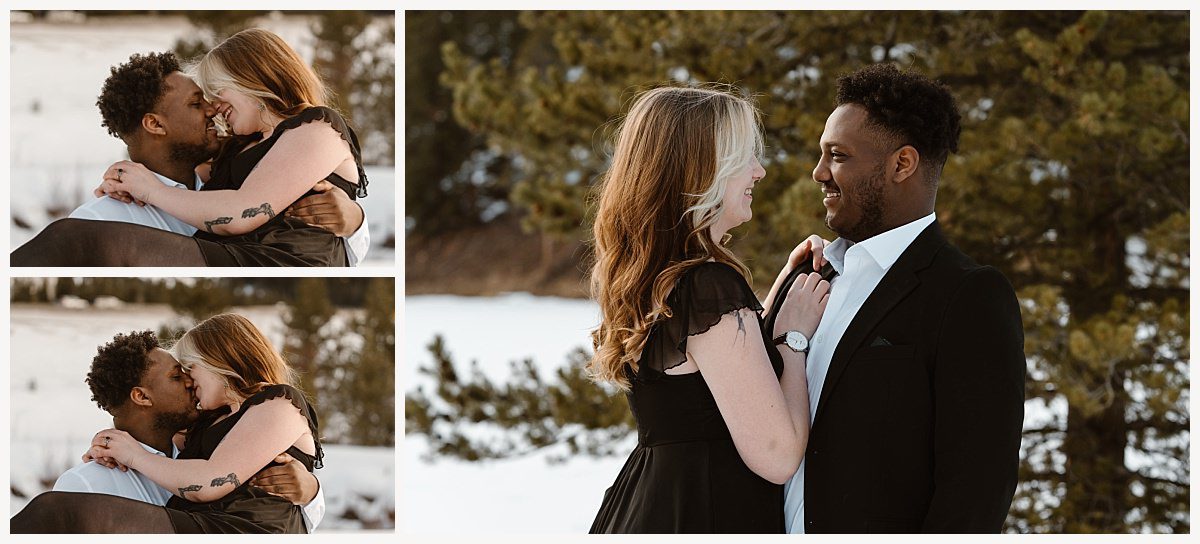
(512, 496)
(58, 149)
(53, 419)
(524, 495)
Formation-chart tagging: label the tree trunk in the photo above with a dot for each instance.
(1096, 477)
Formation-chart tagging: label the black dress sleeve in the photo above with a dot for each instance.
(335, 120)
(703, 295)
(300, 402)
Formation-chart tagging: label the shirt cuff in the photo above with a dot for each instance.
(314, 511)
(359, 243)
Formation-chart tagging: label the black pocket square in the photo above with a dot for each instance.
(880, 341)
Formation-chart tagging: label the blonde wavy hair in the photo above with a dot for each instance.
(259, 63)
(675, 152)
(231, 346)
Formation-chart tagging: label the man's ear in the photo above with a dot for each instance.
(907, 161)
(152, 123)
(138, 396)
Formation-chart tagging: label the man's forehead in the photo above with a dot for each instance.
(177, 83)
(161, 359)
(847, 125)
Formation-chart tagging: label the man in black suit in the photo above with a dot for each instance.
(916, 373)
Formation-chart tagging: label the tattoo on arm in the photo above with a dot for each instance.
(264, 208)
(191, 488)
(222, 480)
(218, 221)
(741, 332)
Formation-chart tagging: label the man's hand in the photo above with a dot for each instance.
(331, 210)
(291, 481)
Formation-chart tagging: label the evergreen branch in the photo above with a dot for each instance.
(1163, 426)
(1031, 475)
(1148, 479)
(1043, 431)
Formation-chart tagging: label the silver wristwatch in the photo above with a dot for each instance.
(794, 340)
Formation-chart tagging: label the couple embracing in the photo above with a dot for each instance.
(879, 386)
(279, 190)
(210, 437)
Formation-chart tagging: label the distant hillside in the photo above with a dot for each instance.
(495, 258)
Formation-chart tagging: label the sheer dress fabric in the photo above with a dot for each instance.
(684, 475)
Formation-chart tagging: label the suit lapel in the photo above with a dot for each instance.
(898, 282)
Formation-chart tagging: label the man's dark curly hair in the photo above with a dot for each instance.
(118, 368)
(133, 89)
(907, 106)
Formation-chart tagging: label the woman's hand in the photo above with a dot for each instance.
(803, 306)
(114, 449)
(129, 182)
(813, 245)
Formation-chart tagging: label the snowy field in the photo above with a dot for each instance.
(523, 495)
(59, 150)
(53, 419)
(513, 496)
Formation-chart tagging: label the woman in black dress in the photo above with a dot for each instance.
(721, 408)
(254, 415)
(285, 141)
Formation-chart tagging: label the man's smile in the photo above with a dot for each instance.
(832, 193)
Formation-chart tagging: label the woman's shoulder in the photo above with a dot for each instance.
(312, 114)
(703, 295)
(275, 391)
(714, 279)
(709, 290)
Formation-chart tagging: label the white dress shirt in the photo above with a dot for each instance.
(92, 477)
(860, 267)
(109, 209)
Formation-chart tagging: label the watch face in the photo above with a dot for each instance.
(797, 341)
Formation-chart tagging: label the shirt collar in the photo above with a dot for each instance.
(172, 183)
(174, 450)
(884, 248)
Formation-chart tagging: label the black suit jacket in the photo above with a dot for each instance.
(918, 426)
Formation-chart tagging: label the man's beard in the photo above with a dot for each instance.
(191, 154)
(175, 421)
(869, 198)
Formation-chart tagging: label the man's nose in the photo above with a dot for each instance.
(821, 172)
(210, 110)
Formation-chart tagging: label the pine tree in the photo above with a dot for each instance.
(570, 411)
(1072, 178)
(64, 287)
(200, 299)
(442, 190)
(359, 384)
(359, 66)
(307, 319)
(214, 26)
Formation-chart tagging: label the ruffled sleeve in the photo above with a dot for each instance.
(335, 120)
(298, 400)
(702, 296)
